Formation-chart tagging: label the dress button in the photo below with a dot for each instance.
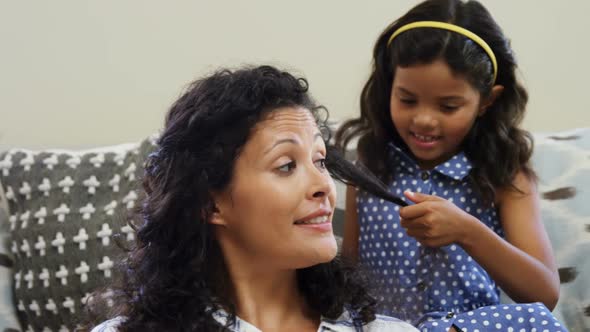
(425, 176)
(421, 286)
(450, 315)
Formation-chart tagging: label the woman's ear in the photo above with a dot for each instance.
(489, 101)
(218, 217)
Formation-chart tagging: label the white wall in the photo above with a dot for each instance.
(79, 73)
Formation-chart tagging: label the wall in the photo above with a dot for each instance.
(77, 74)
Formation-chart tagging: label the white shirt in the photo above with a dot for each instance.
(344, 323)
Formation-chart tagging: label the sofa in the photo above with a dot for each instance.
(62, 213)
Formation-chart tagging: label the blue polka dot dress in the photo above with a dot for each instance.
(436, 288)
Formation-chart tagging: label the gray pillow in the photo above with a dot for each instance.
(65, 207)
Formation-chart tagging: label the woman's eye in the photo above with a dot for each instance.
(287, 168)
(408, 101)
(321, 163)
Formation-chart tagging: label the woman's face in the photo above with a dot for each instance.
(279, 205)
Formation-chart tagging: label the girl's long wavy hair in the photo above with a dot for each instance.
(173, 277)
(495, 145)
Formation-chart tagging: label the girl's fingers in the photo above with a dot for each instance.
(412, 223)
(419, 197)
(412, 211)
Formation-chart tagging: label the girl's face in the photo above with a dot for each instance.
(433, 109)
(277, 210)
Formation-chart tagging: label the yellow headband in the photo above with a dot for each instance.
(450, 27)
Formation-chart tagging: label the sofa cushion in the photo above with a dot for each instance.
(562, 162)
(65, 207)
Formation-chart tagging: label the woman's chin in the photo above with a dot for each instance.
(318, 253)
(326, 250)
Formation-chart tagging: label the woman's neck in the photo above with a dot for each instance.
(264, 294)
(272, 300)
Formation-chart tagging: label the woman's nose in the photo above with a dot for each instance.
(321, 184)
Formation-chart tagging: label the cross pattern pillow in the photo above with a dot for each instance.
(64, 209)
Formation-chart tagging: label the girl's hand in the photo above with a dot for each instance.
(434, 221)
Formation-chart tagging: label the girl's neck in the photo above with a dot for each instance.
(425, 165)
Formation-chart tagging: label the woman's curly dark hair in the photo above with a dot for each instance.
(174, 277)
(494, 134)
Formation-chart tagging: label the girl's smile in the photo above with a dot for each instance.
(433, 110)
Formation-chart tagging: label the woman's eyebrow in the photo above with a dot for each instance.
(290, 141)
(282, 141)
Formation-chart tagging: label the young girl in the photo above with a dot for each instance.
(439, 123)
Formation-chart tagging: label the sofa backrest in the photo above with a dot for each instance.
(86, 196)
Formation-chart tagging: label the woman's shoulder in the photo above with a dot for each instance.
(111, 325)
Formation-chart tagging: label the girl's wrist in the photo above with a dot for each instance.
(471, 230)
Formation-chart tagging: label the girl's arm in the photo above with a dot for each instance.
(523, 266)
(350, 242)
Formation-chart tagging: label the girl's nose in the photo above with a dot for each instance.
(424, 118)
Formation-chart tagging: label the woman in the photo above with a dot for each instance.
(235, 231)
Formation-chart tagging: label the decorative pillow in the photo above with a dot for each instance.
(65, 207)
(562, 161)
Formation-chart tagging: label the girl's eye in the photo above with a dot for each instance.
(407, 101)
(321, 163)
(287, 168)
(449, 108)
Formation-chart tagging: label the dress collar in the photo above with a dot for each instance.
(456, 168)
